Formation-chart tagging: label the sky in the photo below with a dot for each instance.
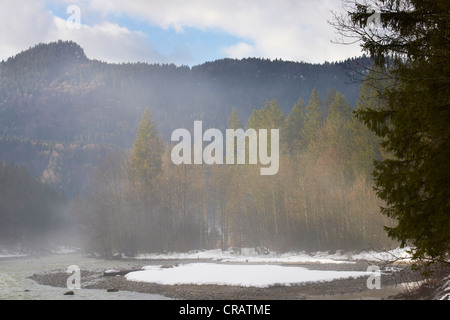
(184, 32)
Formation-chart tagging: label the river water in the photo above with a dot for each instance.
(15, 285)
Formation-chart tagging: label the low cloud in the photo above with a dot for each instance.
(239, 51)
(108, 42)
(24, 23)
(288, 29)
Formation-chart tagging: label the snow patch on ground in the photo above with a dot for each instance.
(24, 252)
(252, 256)
(261, 276)
(443, 293)
(255, 268)
(65, 250)
(398, 254)
(11, 255)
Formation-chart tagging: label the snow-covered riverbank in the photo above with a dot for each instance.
(259, 276)
(250, 255)
(211, 274)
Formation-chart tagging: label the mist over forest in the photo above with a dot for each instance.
(91, 141)
(248, 177)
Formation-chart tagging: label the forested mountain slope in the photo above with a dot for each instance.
(60, 112)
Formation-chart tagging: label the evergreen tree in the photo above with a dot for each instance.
(330, 98)
(256, 119)
(313, 118)
(356, 145)
(233, 121)
(147, 150)
(339, 108)
(293, 135)
(410, 46)
(274, 116)
(269, 117)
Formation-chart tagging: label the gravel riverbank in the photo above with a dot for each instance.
(391, 285)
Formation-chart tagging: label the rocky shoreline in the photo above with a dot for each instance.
(338, 289)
